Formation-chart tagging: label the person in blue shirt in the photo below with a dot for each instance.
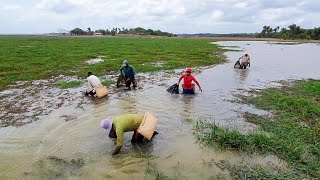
(127, 74)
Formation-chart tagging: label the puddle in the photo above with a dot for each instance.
(95, 60)
(69, 132)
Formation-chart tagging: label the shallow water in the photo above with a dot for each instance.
(174, 151)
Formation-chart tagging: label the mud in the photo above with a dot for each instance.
(28, 101)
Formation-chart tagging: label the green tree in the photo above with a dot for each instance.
(77, 31)
(266, 32)
(113, 32)
(89, 32)
(316, 33)
(303, 36)
(295, 30)
(102, 31)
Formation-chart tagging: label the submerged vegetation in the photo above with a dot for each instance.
(293, 134)
(31, 58)
(54, 167)
(153, 170)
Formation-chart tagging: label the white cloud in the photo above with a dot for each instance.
(177, 16)
(217, 15)
(61, 6)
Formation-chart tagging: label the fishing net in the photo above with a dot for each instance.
(237, 65)
(174, 89)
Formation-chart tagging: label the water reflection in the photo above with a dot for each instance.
(241, 75)
(187, 104)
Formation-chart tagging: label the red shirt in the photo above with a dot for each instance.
(187, 81)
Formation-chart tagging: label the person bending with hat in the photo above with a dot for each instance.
(127, 74)
(188, 87)
(117, 126)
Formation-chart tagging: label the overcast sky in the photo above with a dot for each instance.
(176, 16)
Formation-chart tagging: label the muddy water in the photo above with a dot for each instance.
(174, 152)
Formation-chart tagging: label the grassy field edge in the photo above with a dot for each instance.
(293, 133)
(33, 58)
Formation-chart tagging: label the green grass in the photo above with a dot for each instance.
(258, 172)
(30, 58)
(293, 134)
(69, 84)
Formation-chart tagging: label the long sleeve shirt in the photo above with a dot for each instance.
(93, 81)
(127, 70)
(125, 123)
(187, 81)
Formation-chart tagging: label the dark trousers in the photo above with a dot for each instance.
(138, 138)
(92, 93)
(244, 65)
(188, 91)
(128, 80)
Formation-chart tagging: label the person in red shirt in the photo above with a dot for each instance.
(187, 82)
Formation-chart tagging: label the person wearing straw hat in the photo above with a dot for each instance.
(127, 74)
(187, 86)
(117, 126)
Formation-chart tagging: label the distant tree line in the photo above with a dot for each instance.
(292, 32)
(226, 35)
(115, 31)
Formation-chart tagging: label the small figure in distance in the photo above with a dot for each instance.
(245, 61)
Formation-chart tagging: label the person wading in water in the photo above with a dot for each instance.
(188, 87)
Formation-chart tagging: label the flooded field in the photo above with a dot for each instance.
(69, 143)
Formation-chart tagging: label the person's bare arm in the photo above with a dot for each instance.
(180, 80)
(195, 80)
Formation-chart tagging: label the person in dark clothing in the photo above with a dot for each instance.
(127, 74)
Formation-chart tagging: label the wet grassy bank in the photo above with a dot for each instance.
(292, 133)
(31, 58)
